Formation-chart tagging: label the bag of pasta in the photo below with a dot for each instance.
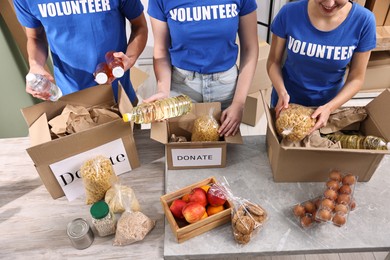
(117, 194)
(97, 175)
(205, 128)
(294, 123)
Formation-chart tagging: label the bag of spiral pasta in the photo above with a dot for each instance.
(205, 128)
(97, 175)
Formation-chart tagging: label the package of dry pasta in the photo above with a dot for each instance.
(205, 128)
(98, 175)
(248, 217)
(132, 226)
(117, 194)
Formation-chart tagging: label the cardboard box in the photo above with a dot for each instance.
(387, 21)
(47, 152)
(379, 8)
(379, 58)
(254, 109)
(377, 77)
(298, 164)
(382, 38)
(260, 79)
(190, 155)
(184, 231)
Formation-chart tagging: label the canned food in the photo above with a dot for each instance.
(80, 233)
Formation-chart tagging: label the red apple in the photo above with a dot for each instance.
(216, 196)
(193, 212)
(177, 208)
(198, 195)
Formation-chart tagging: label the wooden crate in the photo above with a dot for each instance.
(183, 230)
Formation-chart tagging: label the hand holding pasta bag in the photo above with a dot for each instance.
(97, 175)
(205, 128)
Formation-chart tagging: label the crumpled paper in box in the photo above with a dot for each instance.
(74, 119)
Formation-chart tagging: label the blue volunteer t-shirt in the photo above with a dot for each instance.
(316, 61)
(203, 33)
(79, 34)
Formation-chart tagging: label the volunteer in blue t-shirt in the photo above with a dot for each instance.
(320, 38)
(78, 34)
(195, 53)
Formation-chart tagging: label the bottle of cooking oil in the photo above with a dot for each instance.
(41, 84)
(360, 142)
(115, 64)
(159, 110)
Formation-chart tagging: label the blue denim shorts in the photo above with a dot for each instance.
(215, 87)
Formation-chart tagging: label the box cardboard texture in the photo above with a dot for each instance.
(254, 108)
(379, 8)
(184, 231)
(44, 151)
(192, 155)
(299, 164)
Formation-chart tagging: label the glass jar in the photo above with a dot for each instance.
(103, 219)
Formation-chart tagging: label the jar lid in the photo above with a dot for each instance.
(99, 209)
(118, 72)
(101, 78)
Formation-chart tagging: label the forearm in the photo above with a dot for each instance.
(137, 40)
(37, 48)
(275, 74)
(163, 71)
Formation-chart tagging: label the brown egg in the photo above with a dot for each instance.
(299, 210)
(328, 204)
(306, 221)
(344, 199)
(330, 194)
(341, 208)
(324, 215)
(310, 207)
(339, 219)
(349, 179)
(353, 204)
(333, 185)
(345, 189)
(335, 175)
(317, 202)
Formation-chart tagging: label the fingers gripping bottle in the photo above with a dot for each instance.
(159, 110)
(41, 84)
(114, 64)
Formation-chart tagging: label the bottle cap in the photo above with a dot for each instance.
(118, 72)
(126, 117)
(99, 209)
(30, 77)
(101, 78)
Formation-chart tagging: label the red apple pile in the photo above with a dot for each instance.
(196, 205)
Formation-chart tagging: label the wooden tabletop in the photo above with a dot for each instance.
(33, 224)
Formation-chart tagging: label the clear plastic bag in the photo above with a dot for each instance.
(117, 194)
(205, 128)
(247, 217)
(97, 175)
(132, 226)
(295, 122)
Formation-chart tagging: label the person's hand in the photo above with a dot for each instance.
(127, 62)
(283, 101)
(231, 120)
(322, 114)
(157, 96)
(43, 72)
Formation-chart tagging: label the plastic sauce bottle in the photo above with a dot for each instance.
(41, 84)
(368, 142)
(103, 219)
(103, 74)
(159, 110)
(115, 65)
